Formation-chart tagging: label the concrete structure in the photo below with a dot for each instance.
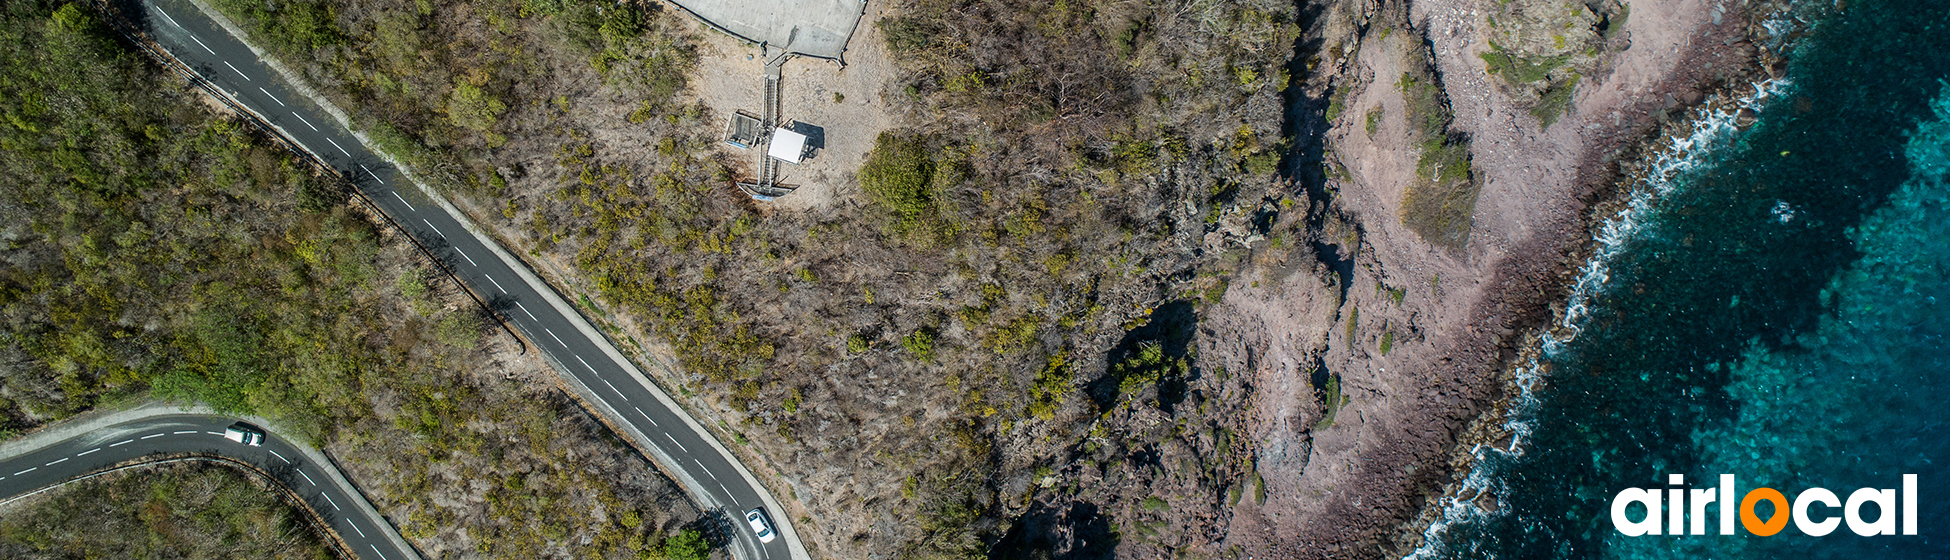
(818, 28)
(787, 146)
(743, 130)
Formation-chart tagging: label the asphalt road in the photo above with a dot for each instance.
(203, 435)
(227, 62)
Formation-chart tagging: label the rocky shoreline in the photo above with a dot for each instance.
(1424, 364)
(1711, 74)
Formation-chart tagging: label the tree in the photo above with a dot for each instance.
(687, 545)
(474, 108)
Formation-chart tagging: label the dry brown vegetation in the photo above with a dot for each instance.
(181, 510)
(922, 363)
(153, 248)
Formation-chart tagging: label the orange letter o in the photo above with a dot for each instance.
(1774, 524)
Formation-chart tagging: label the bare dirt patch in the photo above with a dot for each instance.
(847, 102)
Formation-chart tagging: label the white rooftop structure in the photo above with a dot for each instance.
(787, 146)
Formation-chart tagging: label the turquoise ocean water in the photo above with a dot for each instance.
(1776, 312)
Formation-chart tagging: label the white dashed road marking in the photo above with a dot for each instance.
(88, 451)
(402, 199)
(436, 229)
(214, 433)
(120, 442)
(375, 550)
(152, 436)
(551, 334)
(199, 42)
(26, 471)
(524, 309)
(355, 527)
(375, 177)
(186, 432)
(329, 500)
(700, 464)
(497, 285)
(267, 93)
(57, 461)
(335, 144)
(680, 445)
(470, 260)
(165, 15)
(301, 118)
(585, 363)
(727, 491)
(653, 422)
(280, 456)
(307, 478)
(233, 68)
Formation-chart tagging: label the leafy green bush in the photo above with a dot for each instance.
(904, 34)
(1145, 368)
(474, 108)
(1332, 399)
(1441, 207)
(920, 343)
(904, 180)
(1519, 69)
(1555, 101)
(688, 544)
(294, 27)
(1052, 386)
(1441, 213)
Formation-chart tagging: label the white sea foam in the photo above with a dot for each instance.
(1713, 129)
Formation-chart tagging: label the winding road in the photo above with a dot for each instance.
(158, 433)
(589, 362)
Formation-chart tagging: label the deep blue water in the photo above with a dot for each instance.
(1775, 316)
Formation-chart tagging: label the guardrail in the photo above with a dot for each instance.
(135, 36)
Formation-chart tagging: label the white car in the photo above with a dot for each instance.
(760, 525)
(245, 434)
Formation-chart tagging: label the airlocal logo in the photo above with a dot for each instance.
(1806, 518)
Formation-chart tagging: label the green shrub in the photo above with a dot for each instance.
(474, 108)
(1145, 368)
(1259, 487)
(1052, 386)
(920, 343)
(1441, 213)
(904, 180)
(1337, 103)
(1555, 101)
(687, 545)
(1517, 69)
(1441, 207)
(905, 34)
(791, 403)
(1331, 399)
